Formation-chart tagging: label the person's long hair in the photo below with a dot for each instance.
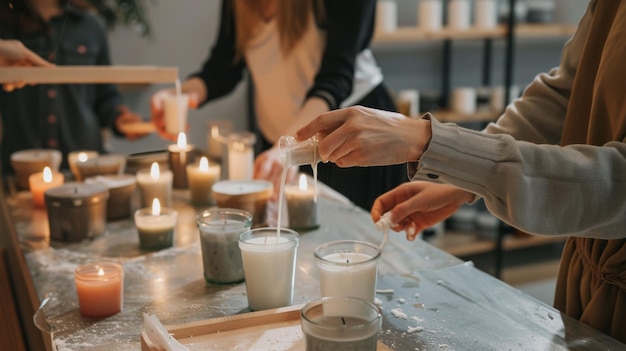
(292, 19)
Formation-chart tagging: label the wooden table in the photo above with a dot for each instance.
(438, 301)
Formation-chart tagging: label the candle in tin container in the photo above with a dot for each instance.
(121, 189)
(76, 211)
(248, 195)
(101, 165)
(27, 162)
(75, 157)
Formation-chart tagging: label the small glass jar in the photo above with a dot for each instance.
(298, 153)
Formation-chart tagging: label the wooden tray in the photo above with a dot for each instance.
(89, 74)
(276, 329)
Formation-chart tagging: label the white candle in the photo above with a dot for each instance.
(301, 205)
(216, 137)
(175, 110)
(42, 181)
(76, 157)
(251, 195)
(155, 226)
(269, 263)
(459, 12)
(201, 178)
(155, 183)
(241, 156)
(430, 15)
(179, 156)
(348, 268)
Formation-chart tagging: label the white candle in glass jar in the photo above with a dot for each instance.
(241, 156)
(269, 263)
(155, 183)
(201, 177)
(348, 268)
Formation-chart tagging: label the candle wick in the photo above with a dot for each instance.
(348, 261)
(343, 321)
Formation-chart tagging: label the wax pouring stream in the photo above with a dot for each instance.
(383, 224)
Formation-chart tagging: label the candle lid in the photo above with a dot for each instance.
(76, 194)
(242, 187)
(246, 138)
(112, 181)
(104, 161)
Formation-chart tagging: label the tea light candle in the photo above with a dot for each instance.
(269, 263)
(75, 157)
(155, 226)
(348, 268)
(241, 156)
(201, 178)
(301, 205)
(251, 196)
(27, 162)
(100, 289)
(155, 183)
(101, 165)
(42, 181)
(341, 323)
(179, 156)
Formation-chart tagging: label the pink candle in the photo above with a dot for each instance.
(100, 288)
(42, 181)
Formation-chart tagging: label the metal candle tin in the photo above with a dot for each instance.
(76, 211)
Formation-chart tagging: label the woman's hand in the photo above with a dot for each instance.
(361, 136)
(269, 166)
(418, 205)
(14, 53)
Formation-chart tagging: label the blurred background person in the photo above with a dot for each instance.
(65, 117)
(305, 57)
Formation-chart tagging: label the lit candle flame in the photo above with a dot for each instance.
(154, 171)
(204, 165)
(182, 141)
(47, 175)
(156, 207)
(100, 272)
(302, 183)
(82, 157)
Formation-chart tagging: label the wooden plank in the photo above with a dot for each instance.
(89, 74)
(238, 331)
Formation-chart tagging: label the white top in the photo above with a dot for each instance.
(292, 76)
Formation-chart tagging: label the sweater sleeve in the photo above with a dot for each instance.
(223, 70)
(524, 176)
(349, 29)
